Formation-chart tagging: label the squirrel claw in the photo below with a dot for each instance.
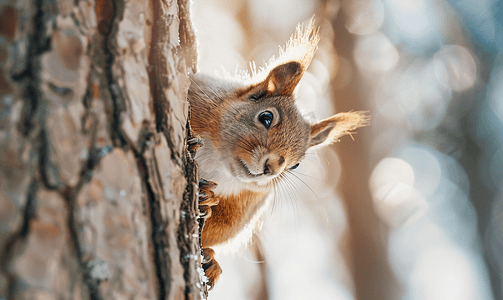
(211, 267)
(193, 144)
(206, 184)
(204, 212)
(207, 198)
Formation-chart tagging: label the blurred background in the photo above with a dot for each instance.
(412, 208)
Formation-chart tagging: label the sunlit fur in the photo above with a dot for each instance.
(345, 123)
(300, 48)
(239, 149)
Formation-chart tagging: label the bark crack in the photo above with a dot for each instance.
(158, 80)
(189, 226)
(70, 195)
(144, 151)
(50, 182)
(14, 242)
(158, 76)
(27, 77)
(118, 105)
(189, 211)
(39, 43)
(159, 238)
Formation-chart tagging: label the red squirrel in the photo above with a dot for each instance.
(253, 136)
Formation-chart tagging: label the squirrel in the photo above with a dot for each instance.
(253, 135)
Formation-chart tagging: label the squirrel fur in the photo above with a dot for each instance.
(253, 135)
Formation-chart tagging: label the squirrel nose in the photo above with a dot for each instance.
(273, 164)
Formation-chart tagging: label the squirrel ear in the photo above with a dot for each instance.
(330, 130)
(283, 79)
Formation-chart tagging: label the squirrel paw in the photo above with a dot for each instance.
(206, 197)
(211, 267)
(193, 145)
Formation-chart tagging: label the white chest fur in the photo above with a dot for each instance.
(212, 167)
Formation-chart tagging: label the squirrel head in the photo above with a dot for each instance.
(256, 131)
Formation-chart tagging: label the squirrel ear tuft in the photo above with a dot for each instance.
(330, 130)
(283, 79)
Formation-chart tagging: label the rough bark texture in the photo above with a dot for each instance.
(97, 190)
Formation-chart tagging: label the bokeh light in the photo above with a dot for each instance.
(425, 184)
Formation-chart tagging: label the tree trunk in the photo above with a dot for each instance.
(372, 275)
(97, 190)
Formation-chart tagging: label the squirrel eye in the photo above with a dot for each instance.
(295, 167)
(265, 118)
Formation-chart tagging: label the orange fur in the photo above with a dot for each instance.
(253, 133)
(229, 216)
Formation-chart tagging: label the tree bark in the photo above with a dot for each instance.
(97, 189)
